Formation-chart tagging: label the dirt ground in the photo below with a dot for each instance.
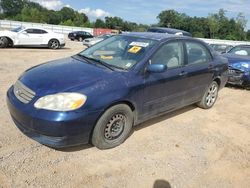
(188, 148)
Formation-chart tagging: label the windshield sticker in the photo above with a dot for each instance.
(134, 49)
(106, 57)
(141, 44)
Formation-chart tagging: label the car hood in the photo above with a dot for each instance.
(7, 33)
(238, 62)
(232, 58)
(65, 75)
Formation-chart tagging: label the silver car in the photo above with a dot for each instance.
(91, 41)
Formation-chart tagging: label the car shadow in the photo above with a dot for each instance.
(231, 86)
(38, 48)
(164, 117)
(161, 184)
(75, 148)
(137, 127)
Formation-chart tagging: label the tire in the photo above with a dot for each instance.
(54, 44)
(80, 39)
(210, 96)
(113, 127)
(4, 42)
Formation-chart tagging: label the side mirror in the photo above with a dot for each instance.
(24, 32)
(156, 68)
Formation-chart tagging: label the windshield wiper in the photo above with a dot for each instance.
(97, 60)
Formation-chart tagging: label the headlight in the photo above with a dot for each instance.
(246, 65)
(61, 102)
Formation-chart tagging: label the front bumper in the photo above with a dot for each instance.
(237, 77)
(54, 129)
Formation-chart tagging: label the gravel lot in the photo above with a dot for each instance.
(188, 148)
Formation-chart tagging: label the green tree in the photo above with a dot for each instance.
(31, 15)
(99, 23)
(248, 35)
(241, 23)
(113, 22)
(67, 23)
(11, 8)
(171, 18)
(214, 25)
(67, 13)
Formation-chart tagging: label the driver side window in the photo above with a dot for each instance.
(170, 54)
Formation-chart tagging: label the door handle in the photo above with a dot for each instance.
(183, 73)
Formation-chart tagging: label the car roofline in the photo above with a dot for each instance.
(155, 36)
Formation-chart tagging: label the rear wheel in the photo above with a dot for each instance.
(4, 42)
(54, 44)
(80, 39)
(210, 96)
(113, 127)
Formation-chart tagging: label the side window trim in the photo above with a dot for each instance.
(208, 52)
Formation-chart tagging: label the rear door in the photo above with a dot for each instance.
(198, 69)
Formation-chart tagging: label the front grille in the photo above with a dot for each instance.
(23, 93)
(235, 75)
(235, 72)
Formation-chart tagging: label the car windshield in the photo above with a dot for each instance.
(240, 50)
(120, 51)
(17, 29)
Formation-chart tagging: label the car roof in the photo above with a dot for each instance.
(36, 28)
(154, 36)
(242, 45)
(170, 30)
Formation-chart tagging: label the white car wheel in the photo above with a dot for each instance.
(54, 44)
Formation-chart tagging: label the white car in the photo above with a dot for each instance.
(30, 36)
(91, 41)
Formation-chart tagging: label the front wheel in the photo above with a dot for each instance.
(113, 127)
(4, 43)
(210, 96)
(54, 44)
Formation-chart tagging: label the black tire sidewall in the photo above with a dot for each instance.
(6, 43)
(98, 138)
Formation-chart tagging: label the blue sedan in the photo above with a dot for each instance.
(239, 65)
(98, 95)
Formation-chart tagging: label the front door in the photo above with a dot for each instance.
(164, 91)
(30, 37)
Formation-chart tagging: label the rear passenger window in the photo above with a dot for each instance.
(197, 53)
(170, 54)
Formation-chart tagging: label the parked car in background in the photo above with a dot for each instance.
(221, 48)
(91, 41)
(169, 31)
(79, 35)
(99, 94)
(32, 37)
(239, 65)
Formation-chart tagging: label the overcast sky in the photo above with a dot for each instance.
(143, 11)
